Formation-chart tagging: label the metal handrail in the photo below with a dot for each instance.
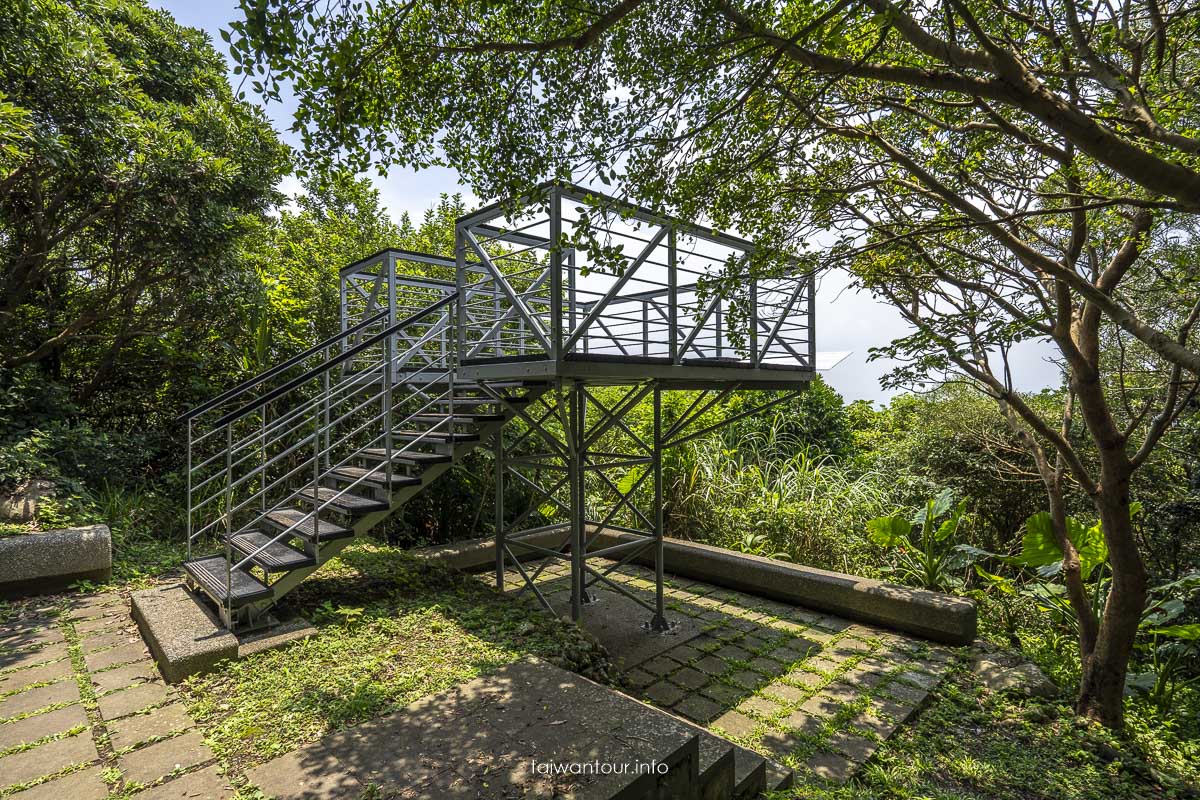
(345, 355)
(278, 368)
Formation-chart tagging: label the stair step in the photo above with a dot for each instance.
(343, 501)
(464, 419)
(375, 476)
(409, 457)
(432, 437)
(779, 777)
(210, 574)
(749, 774)
(305, 525)
(465, 402)
(276, 557)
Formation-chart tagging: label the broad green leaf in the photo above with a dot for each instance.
(1038, 546)
(889, 531)
(1089, 543)
(999, 581)
(1188, 632)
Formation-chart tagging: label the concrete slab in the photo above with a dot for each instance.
(40, 697)
(45, 673)
(149, 764)
(126, 702)
(84, 784)
(932, 615)
(39, 726)
(39, 563)
(46, 759)
(183, 636)
(204, 784)
(140, 728)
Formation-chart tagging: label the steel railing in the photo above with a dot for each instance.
(274, 441)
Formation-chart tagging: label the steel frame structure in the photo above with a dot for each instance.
(609, 325)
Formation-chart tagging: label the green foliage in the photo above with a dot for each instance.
(930, 558)
(816, 420)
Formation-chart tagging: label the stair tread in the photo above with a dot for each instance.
(436, 436)
(275, 557)
(779, 777)
(374, 475)
(343, 501)
(305, 524)
(409, 456)
(472, 419)
(210, 572)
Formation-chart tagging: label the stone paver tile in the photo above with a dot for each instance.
(820, 706)
(823, 664)
(723, 693)
(42, 696)
(894, 709)
(863, 677)
(142, 727)
(111, 620)
(689, 678)
(831, 767)
(665, 694)
(855, 747)
(869, 723)
(89, 606)
(835, 624)
(920, 679)
(39, 726)
(759, 705)
(46, 759)
(734, 723)
(203, 784)
(293, 776)
(698, 709)
(110, 638)
(128, 675)
(732, 652)
(786, 693)
(805, 723)
(780, 744)
(638, 678)
(117, 655)
(660, 665)
(842, 691)
(747, 679)
(684, 654)
(20, 659)
(711, 665)
(119, 704)
(84, 784)
(30, 637)
(153, 761)
(808, 679)
(908, 694)
(767, 666)
(753, 642)
(45, 673)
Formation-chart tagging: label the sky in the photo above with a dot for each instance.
(847, 320)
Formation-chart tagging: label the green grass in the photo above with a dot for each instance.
(391, 629)
(971, 744)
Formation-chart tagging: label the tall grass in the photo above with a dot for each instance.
(804, 505)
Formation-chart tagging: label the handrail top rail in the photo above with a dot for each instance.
(344, 356)
(272, 371)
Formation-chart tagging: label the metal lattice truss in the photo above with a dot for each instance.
(589, 468)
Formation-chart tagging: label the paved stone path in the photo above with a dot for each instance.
(813, 691)
(84, 714)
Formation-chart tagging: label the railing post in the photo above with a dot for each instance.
(387, 410)
(812, 321)
(720, 328)
(753, 335)
(229, 523)
(316, 483)
(556, 277)
(500, 543)
(672, 296)
(190, 499)
(460, 285)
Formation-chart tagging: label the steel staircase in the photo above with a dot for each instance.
(289, 467)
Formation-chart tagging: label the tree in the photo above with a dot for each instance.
(1000, 172)
(128, 174)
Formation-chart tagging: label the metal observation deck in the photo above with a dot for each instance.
(552, 338)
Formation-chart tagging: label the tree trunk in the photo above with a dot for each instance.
(1102, 688)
